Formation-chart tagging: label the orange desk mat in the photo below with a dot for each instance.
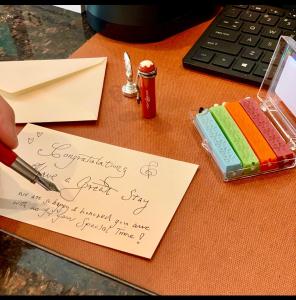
(225, 238)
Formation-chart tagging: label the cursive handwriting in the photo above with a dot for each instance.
(86, 183)
(66, 158)
(85, 219)
(41, 167)
(85, 223)
(134, 196)
(56, 213)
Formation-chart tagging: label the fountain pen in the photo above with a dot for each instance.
(9, 158)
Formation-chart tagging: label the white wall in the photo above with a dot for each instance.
(76, 8)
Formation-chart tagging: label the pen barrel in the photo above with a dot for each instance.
(7, 156)
(24, 169)
(147, 74)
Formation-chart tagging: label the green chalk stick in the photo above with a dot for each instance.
(236, 139)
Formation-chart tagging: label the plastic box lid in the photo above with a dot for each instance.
(277, 92)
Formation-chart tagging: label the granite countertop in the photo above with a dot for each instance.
(45, 32)
(40, 32)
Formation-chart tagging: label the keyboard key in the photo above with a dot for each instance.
(289, 33)
(268, 44)
(258, 8)
(275, 11)
(225, 34)
(260, 70)
(203, 55)
(291, 14)
(251, 28)
(232, 12)
(221, 46)
(267, 57)
(252, 53)
(271, 32)
(249, 16)
(223, 60)
(241, 6)
(287, 24)
(269, 20)
(230, 24)
(243, 65)
(249, 40)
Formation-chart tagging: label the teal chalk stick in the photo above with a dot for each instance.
(223, 153)
(235, 137)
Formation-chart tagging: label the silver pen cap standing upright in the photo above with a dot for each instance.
(130, 88)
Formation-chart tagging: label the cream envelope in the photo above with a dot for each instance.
(53, 90)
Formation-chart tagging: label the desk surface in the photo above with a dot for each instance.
(225, 238)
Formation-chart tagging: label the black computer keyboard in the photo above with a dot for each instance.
(240, 42)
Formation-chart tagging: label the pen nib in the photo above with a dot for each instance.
(48, 185)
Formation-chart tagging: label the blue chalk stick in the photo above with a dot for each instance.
(224, 155)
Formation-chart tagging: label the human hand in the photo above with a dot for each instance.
(7, 125)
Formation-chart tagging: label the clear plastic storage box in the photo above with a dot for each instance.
(273, 113)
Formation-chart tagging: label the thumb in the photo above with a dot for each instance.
(7, 125)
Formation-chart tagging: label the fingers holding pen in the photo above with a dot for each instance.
(8, 133)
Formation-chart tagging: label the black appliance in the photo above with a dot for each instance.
(147, 23)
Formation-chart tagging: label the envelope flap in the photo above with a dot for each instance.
(16, 76)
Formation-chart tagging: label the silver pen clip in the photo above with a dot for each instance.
(138, 90)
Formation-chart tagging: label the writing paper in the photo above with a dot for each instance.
(109, 195)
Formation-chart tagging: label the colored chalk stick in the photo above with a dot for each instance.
(224, 155)
(235, 137)
(263, 151)
(282, 151)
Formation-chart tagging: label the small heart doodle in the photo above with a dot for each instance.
(39, 133)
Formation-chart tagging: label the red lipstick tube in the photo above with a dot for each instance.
(146, 81)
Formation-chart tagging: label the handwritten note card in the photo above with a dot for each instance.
(111, 196)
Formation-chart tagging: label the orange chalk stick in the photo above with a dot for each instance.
(265, 154)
